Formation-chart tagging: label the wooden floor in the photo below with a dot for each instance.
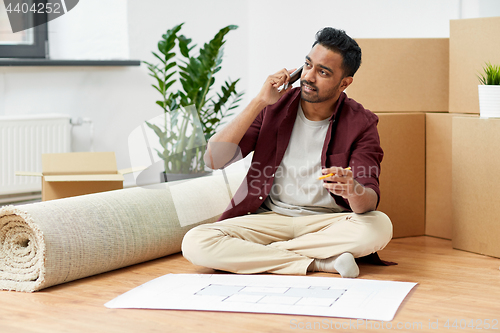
(455, 288)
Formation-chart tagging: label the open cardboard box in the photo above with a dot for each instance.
(71, 174)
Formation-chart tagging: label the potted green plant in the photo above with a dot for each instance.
(489, 91)
(191, 112)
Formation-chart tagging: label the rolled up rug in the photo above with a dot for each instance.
(49, 243)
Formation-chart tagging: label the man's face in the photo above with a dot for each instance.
(322, 78)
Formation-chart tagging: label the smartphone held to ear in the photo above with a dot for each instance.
(293, 77)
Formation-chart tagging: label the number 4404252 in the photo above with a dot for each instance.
(36, 8)
(478, 324)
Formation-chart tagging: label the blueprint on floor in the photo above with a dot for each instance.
(299, 295)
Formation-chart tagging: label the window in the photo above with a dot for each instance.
(29, 43)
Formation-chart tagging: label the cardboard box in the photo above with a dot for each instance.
(401, 75)
(438, 178)
(472, 43)
(72, 174)
(476, 185)
(438, 205)
(402, 179)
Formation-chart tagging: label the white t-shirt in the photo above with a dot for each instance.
(296, 189)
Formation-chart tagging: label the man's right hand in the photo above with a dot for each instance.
(217, 156)
(270, 92)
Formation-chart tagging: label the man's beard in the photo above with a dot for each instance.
(314, 96)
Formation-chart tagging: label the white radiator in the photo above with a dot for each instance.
(23, 140)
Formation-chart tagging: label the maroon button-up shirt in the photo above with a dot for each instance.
(351, 140)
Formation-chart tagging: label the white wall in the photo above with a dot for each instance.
(94, 29)
(479, 8)
(272, 34)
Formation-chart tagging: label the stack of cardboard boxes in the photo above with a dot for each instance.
(438, 173)
(475, 153)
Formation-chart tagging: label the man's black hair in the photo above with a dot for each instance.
(338, 41)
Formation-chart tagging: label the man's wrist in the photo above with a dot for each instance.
(357, 190)
(259, 103)
(362, 199)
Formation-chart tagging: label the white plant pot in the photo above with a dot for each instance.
(489, 101)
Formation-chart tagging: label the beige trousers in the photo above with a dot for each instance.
(274, 243)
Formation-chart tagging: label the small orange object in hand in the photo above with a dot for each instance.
(331, 174)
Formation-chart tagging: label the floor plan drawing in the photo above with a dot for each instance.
(313, 295)
(300, 295)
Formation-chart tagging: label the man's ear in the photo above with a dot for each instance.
(346, 82)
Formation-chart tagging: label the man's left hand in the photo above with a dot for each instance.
(341, 182)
